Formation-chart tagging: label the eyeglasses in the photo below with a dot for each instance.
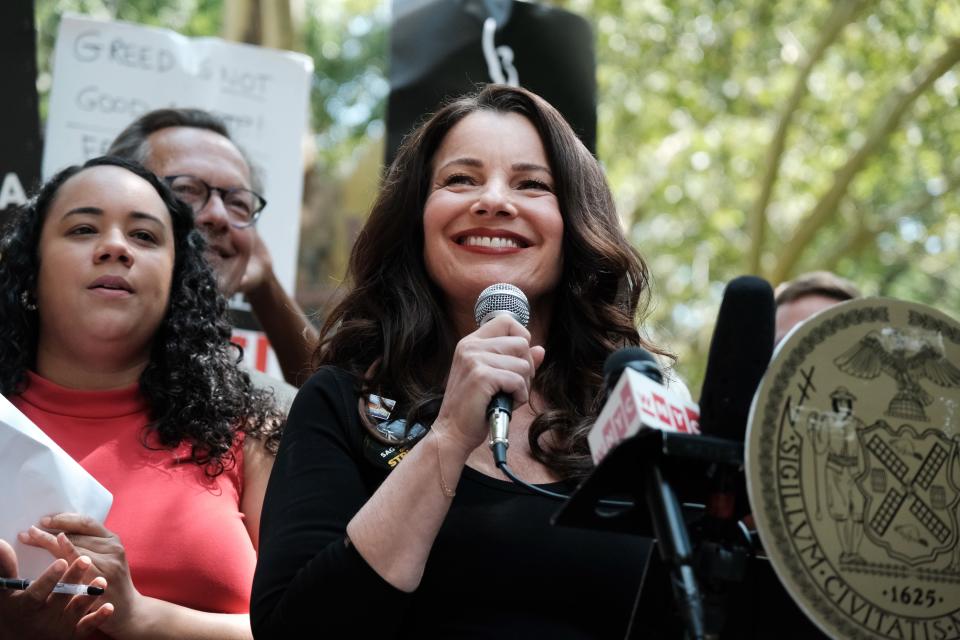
(243, 206)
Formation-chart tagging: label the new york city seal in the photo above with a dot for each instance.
(853, 469)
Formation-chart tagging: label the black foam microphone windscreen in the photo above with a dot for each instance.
(636, 358)
(740, 351)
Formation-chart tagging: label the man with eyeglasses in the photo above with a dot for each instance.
(192, 151)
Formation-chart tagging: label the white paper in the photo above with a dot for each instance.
(40, 479)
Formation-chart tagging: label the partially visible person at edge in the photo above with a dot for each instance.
(192, 151)
(115, 343)
(405, 527)
(806, 295)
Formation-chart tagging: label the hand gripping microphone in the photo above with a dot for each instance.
(500, 299)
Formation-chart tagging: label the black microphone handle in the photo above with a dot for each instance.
(501, 402)
(499, 411)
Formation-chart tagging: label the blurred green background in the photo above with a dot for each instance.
(756, 136)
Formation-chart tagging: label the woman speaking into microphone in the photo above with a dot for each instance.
(385, 514)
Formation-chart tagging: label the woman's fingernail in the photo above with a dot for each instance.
(23, 536)
(46, 521)
(84, 561)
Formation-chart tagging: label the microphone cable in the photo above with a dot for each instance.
(606, 502)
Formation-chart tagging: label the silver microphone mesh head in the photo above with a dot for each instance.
(501, 298)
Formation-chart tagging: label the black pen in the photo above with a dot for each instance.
(62, 587)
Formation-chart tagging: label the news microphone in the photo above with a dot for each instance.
(740, 351)
(637, 399)
(496, 300)
(636, 358)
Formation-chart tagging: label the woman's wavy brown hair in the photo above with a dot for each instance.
(391, 331)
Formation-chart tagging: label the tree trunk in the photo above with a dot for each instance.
(269, 23)
(238, 22)
(277, 26)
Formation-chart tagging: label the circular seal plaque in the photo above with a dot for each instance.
(853, 469)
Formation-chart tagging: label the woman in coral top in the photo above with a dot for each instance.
(114, 342)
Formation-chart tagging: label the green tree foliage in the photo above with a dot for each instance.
(348, 42)
(780, 137)
(752, 136)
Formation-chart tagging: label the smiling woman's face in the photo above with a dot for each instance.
(106, 263)
(492, 214)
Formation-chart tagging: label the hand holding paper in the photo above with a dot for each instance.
(41, 479)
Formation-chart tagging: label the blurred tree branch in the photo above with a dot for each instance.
(868, 229)
(843, 13)
(886, 121)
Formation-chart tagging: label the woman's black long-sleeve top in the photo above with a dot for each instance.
(497, 567)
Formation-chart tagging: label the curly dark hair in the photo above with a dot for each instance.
(394, 317)
(195, 391)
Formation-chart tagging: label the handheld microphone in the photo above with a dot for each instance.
(500, 299)
(740, 351)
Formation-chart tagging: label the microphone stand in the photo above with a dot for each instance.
(673, 542)
(666, 459)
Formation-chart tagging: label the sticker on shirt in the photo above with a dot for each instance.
(379, 408)
(393, 439)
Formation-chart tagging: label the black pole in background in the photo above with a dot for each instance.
(20, 147)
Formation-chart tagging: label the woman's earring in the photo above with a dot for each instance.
(27, 301)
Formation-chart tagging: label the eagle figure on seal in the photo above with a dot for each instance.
(907, 361)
